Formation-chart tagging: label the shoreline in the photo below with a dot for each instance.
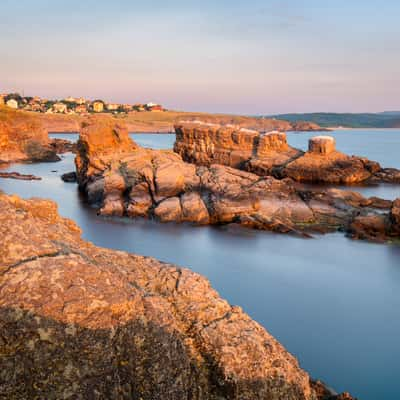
(343, 128)
(169, 132)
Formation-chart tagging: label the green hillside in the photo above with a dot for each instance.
(388, 119)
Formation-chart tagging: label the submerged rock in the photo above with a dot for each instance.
(124, 179)
(23, 138)
(84, 322)
(18, 176)
(69, 177)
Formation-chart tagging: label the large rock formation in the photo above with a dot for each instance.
(205, 144)
(22, 138)
(124, 179)
(82, 322)
(270, 154)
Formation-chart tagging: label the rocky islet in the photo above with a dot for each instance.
(124, 179)
(269, 154)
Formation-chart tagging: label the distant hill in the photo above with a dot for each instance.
(387, 119)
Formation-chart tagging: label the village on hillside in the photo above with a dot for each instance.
(72, 105)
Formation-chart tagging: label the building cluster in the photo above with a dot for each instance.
(72, 105)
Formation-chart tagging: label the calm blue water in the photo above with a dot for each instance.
(333, 302)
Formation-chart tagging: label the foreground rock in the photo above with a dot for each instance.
(83, 322)
(124, 179)
(22, 138)
(270, 154)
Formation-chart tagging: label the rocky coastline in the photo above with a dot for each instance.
(118, 325)
(164, 121)
(123, 179)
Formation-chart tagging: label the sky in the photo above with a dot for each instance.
(246, 57)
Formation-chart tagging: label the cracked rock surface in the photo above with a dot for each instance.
(84, 322)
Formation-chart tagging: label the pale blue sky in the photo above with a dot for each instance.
(249, 56)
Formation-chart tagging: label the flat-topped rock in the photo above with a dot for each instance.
(84, 322)
(269, 154)
(322, 145)
(205, 143)
(230, 145)
(272, 141)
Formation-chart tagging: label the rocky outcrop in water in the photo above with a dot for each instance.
(84, 322)
(69, 177)
(22, 138)
(126, 180)
(378, 228)
(322, 163)
(18, 176)
(61, 146)
(270, 154)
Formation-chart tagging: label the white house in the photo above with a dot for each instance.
(12, 103)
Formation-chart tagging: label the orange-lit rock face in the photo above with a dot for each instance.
(101, 139)
(322, 145)
(206, 144)
(22, 138)
(322, 163)
(272, 141)
(89, 322)
(270, 154)
(126, 180)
